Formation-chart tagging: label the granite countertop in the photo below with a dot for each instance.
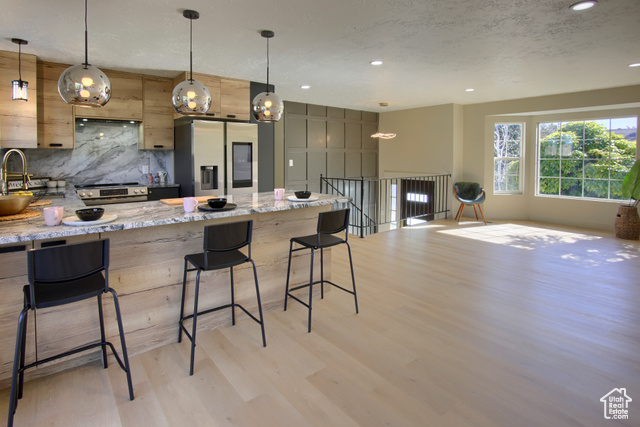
(147, 214)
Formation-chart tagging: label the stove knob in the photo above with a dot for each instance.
(90, 193)
(82, 194)
(143, 190)
(135, 191)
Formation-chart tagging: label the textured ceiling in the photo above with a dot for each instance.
(432, 49)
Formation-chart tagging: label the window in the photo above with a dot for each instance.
(507, 157)
(586, 159)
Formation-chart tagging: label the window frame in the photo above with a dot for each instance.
(521, 158)
(563, 120)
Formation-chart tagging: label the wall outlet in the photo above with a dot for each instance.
(145, 169)
(290, 162)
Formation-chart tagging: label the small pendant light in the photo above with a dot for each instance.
(191, 97)
(383, 135)
(267, 106)
(84, 84)
(19, 86)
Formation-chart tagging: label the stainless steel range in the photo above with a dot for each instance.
(102, 194)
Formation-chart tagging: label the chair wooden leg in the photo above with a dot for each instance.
(475, 211)
(482, 213)
(459, 214)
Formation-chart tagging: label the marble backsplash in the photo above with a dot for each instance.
(105, 152)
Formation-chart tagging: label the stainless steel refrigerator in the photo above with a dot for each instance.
(216, 158)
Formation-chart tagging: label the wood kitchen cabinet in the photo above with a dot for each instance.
(235, 102)
(18, 119)
(125, 102)
(157, 114)
(56, 121)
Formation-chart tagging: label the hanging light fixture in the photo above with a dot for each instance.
(267, 106)
(191, 97)
(84, 84)
(19, 86)
(382, 135)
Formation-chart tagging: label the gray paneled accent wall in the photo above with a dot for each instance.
(334, 142)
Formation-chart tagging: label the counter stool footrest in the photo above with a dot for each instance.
(200, 313)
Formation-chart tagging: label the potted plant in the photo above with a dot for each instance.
(627, 224)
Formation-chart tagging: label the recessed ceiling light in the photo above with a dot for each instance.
(583, 5)
(635, 64)
(376, 62)
(384, 104)
(305, 87)
(469, 90)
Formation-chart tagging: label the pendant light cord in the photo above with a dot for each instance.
(191, 49)
(267, 64)
(86, 36)
(20, 63)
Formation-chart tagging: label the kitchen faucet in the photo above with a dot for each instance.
(25, 177)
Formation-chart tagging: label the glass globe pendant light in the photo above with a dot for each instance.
(19, 92)
(191, 97)
(267, 106)
(84, 84)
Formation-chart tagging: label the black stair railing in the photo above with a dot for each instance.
(381, 201)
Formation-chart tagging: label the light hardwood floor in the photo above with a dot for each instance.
(508, 324)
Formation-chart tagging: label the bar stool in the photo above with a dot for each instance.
(61, 275)
(222, 244)
(329, 223)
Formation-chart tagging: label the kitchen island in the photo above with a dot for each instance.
(148, 243)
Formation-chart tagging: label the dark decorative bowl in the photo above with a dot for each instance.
(302, 194)
(90, 214)
(217, 203)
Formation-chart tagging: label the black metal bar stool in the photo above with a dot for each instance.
(329, 223)
(61, 275)
(222, 244)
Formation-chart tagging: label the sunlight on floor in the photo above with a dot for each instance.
(519, 236)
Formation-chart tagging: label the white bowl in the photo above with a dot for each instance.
(52, 184)
(62, 183)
